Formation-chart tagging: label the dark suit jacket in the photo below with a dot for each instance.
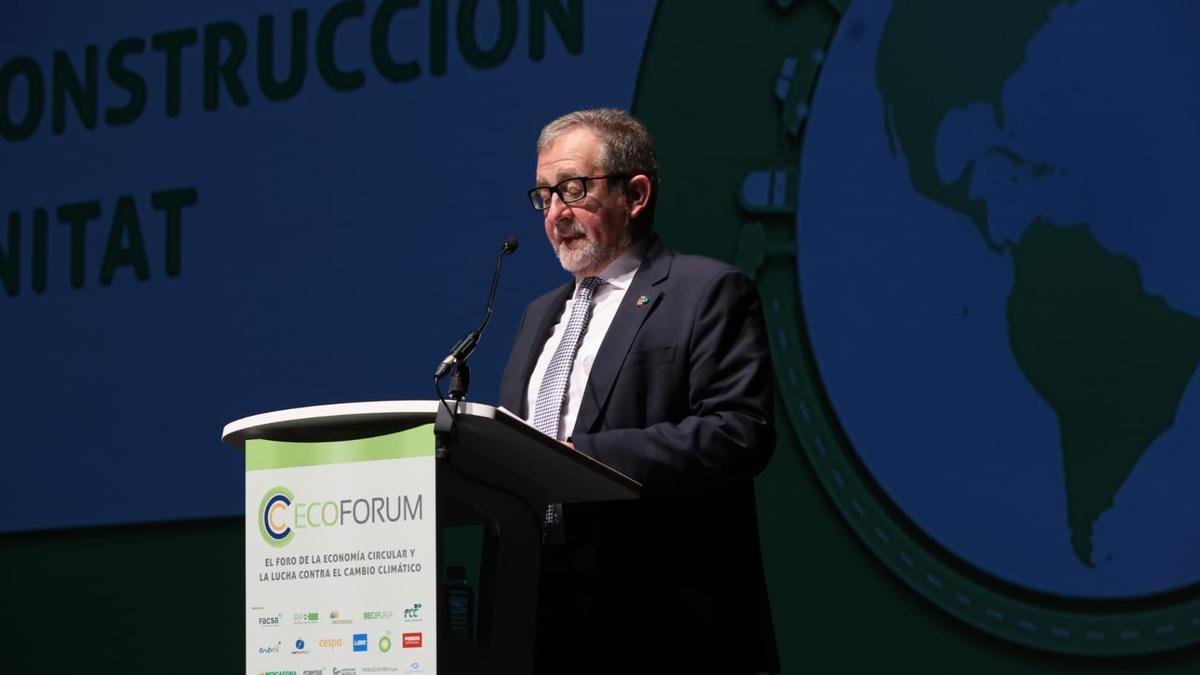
(680, 399)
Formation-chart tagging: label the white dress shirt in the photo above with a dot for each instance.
(605, 301)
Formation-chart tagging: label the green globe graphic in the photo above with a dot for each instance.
(973, 228)
(999, 294)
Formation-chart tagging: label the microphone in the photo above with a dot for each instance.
(463, 349)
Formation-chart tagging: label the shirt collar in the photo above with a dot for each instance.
(619, 273)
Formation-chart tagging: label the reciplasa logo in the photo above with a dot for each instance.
(279, 514)
(273, 521)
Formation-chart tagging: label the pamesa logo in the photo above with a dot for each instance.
(279, 514)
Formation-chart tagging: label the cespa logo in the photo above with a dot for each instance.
(329, 643)
(273, 516)
(280, 514)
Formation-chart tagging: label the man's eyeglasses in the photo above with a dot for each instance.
(569, 191)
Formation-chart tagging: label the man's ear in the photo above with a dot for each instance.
(638, 191)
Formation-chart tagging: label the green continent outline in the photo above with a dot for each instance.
(755, 186)
(1111, 360)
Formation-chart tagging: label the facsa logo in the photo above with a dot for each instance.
(331, 643)
(270, 620)
(360, 642)
(410, 640)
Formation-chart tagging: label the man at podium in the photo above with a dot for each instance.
(656, 364)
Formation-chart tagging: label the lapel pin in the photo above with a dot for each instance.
(642, 300)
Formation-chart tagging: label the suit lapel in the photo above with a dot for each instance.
(625, 326)
(533, 339)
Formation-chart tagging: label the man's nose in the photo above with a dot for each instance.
(558, 210)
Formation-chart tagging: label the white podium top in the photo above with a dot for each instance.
(275, 425)
(553, 469)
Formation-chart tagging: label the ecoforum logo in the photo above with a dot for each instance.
(279, 513)
(273, 516)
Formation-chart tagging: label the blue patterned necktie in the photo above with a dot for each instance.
(547, 411)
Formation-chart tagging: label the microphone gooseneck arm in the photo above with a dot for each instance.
(455, 363)
(510, 246)
(463, 349)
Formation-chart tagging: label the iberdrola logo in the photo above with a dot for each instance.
(274, 521)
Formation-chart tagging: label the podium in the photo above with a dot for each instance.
(495, 473)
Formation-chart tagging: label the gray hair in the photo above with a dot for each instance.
(625, 148)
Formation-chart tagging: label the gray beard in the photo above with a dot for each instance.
(589, 255)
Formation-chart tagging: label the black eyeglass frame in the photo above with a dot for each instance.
(556, 189)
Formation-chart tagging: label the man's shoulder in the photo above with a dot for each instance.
(700, 266)
(702, 272)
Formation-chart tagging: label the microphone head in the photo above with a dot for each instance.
(510, 245)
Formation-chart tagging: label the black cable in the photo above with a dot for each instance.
(437, 387)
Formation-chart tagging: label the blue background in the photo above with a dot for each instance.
(341, 244)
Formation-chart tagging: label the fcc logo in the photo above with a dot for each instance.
(274, 516)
